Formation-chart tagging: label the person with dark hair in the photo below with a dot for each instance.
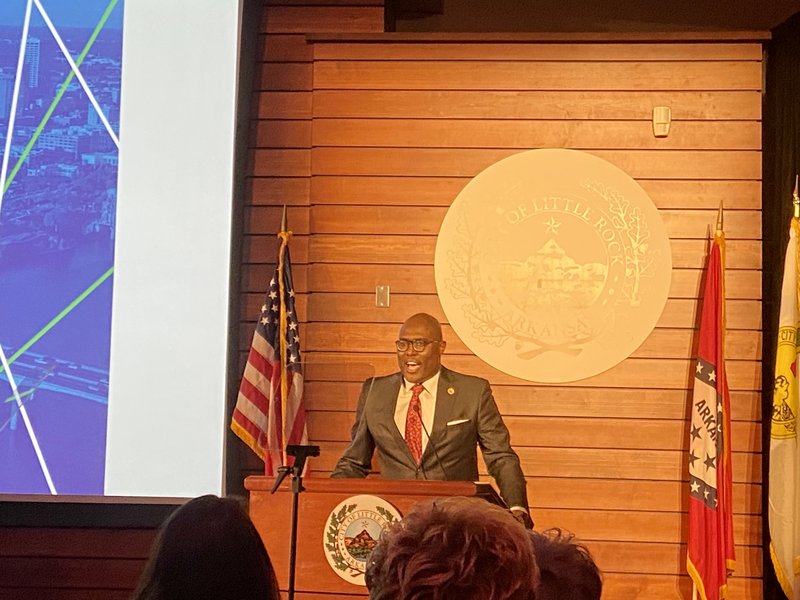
(566, 568)
(453, 549)
(427, 422)
(208, 549)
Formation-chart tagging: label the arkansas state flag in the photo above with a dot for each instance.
(710, 555)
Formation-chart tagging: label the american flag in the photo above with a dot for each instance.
(710, 553)
(269, 411)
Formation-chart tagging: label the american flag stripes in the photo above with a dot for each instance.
(269, 411)
(710, 551)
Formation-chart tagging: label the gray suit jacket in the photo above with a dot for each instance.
(463, 401)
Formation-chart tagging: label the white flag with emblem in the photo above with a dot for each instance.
(784, 495)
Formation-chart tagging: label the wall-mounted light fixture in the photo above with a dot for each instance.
(662, 117)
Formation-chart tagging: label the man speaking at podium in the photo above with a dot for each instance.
(426, 422)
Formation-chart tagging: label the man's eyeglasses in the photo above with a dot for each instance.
(417, 345)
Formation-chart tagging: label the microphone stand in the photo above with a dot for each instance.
(300, 453)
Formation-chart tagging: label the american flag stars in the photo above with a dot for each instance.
(270, 319)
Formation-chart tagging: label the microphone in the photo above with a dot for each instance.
(417, 409)
(430, 441)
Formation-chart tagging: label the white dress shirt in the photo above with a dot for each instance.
(427, 402)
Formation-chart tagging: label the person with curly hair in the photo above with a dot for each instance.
(567, 570)
(454, 549)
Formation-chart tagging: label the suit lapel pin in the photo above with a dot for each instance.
(451, 391)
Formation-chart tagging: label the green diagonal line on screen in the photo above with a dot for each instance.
(60, 93)
(22, 395)
(54, 321)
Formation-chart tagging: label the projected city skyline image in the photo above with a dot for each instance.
(60, 84)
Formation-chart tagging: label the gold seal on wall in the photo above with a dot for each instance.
(553, 265)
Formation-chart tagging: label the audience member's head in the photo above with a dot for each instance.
(566, 569)
(453, 549)
(208, 549)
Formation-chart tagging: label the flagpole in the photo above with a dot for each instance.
(284, 236)
(719, 236)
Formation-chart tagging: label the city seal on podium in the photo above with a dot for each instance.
(553, 265)
(352, 531)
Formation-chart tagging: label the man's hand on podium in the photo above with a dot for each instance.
(523, 516)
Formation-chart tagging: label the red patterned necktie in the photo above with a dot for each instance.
(414, 423)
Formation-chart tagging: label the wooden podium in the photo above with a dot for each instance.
(314, 577)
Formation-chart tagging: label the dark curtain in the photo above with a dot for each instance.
(250, 50)
(781, 160)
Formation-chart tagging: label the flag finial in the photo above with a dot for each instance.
(719, 218)
(796, 200)
(284, 226)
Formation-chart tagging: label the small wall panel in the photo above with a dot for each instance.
(283, 134)
(285, 47)
(286, 105)
(324, 19)
(278, 191)
(284, 77)
(255, 247)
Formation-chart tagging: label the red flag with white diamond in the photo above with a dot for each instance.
(710, 554)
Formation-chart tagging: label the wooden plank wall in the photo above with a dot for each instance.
(281, 151)
(59, 563)
(397, 125)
